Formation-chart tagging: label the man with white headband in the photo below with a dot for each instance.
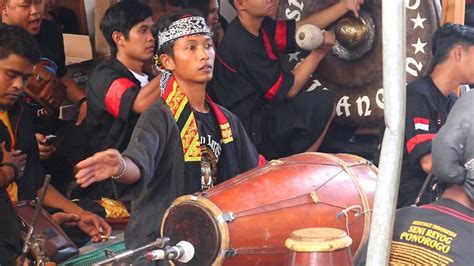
(441, 233)
(183, 143)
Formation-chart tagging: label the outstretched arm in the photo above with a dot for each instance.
(303, 71)
(327, 16)
(105, 164)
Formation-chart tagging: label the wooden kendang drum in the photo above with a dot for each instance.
(318, 246)
(353, 69)
(246, 220)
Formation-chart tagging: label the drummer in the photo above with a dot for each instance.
(159, 165)
(252, 83)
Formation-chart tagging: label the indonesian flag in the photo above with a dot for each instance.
(422, 123)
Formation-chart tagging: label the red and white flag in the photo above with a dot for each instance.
(422, 123)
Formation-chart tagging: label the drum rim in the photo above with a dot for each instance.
(339, 240)
(215, 212)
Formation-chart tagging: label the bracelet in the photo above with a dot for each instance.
(82, 100)
(124, 167)
(13, 166)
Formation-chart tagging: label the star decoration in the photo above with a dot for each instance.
(294, 56)
(418, 21)
(419, 46)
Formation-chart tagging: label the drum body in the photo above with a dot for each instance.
(246, 220)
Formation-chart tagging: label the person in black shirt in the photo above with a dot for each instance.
(29, 15)
(429, 100)
(56, 158)
(118, 89)
(250, 80)
(21, 173)
(183, 143)
(442, 232)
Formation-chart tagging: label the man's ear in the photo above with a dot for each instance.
(239, 4)
(167, 62)
(3, 9)
(458, 53)
(118, 38)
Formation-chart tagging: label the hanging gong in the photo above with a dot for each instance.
(353, 68)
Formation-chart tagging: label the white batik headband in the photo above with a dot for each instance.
(181, 28)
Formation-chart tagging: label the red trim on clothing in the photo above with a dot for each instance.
(411, 143)
(421, 120)
(221, 118)
(115, 93)
(280, 35)
(169, 88)
(268, 46)
(274, 89)
(226, 65)
(450, 211)
(261, 160)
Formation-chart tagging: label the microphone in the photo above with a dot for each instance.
(309, 37)
(182, 252)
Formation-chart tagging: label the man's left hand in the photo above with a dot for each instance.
(94, 226)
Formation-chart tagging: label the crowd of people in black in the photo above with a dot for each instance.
(188, 101)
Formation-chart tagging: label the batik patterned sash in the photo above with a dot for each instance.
(184, 116)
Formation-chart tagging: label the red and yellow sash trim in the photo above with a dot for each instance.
(179, 105)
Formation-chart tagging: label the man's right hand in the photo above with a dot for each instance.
(328, 43)
(98, 167)
(45, 150)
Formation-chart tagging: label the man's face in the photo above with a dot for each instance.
(193, 59)
(260, 8)
(140, 44)
(213, 16)
(14, 71)
(24, 13)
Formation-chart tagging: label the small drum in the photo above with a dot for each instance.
(246, 220)
(318, 246)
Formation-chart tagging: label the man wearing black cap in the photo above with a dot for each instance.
(429, 100)
(442, 233)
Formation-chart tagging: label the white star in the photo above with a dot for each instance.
(418, 21)
(315, 85)
(294, 56)
(419, 46)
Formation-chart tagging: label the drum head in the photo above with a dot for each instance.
(193, 223)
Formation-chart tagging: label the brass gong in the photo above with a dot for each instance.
(353, 68)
